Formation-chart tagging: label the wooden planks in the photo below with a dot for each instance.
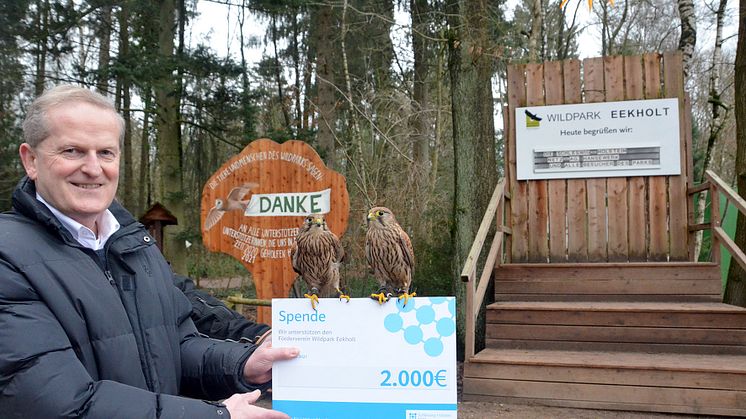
(647, 398)
(673, 80)
(593, 89)
(583, 404)
(616, 187)
(538, 206)
(577, 227)
(685, 383)
(614, 219)
(557, 188)
(617, 334)
(656, 356)
(627, 281)
(636, 186)
(731, 368)
(597, 271)
(518, 190)
(619, 314)
(658, 191)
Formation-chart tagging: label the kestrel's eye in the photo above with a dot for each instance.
(309, 219)
(379, 213)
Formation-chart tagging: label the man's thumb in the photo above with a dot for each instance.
(252, 397)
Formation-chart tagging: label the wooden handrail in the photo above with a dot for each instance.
(717, 186)
(729, 244)
(698, 188)
(475, 292)
(727, 191)
(470, 266)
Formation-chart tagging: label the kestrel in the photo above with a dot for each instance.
(234, 201)
(390, 255)
(316, 256)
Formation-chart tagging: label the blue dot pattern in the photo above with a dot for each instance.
(426, 315)
(425, 322)
(393, 323)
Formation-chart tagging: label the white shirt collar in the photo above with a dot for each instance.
(107, 225)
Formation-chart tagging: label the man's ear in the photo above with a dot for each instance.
(28, 158)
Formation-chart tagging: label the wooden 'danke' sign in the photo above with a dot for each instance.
(254, 204)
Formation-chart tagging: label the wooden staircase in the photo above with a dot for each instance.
(622, 330)
(627, 336)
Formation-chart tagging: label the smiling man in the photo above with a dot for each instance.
(91, 324)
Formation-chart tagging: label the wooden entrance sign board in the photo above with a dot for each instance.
(253, 205)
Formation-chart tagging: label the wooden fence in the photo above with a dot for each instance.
(612, 219)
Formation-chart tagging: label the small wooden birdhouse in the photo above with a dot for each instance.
(154, 219)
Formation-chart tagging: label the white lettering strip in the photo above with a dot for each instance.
(289, 204)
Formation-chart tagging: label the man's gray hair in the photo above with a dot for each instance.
(35, 127)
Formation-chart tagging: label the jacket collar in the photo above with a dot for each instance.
(26, 204)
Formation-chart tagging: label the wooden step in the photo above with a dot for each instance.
(618, 326)
(683, 383)
(650, 314)
(664, 281)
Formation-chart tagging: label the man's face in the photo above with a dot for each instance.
(76, 168)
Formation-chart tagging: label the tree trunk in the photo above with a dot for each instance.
(278, 75)
(246, 102)
(123, 79)
(420, 112)
(104, 38)
(143, 201)
(323, 30)
(717, 121)
(537, 26)
(473, 133)
(42, 24)
(735, 289)
(688, 33)
(295, 52)
(168, 154)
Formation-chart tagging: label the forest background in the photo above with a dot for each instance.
(403, 97)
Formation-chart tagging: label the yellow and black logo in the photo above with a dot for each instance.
(532, 120)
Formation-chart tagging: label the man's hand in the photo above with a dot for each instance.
(241, 406)
(258, 368)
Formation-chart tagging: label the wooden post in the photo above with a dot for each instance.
(715, 222)
(470, 331)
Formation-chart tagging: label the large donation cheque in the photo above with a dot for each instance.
(359, 359)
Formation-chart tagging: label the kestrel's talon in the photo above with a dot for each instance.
(341, 295)
(406, 297)
(314, 300)
(380, 297)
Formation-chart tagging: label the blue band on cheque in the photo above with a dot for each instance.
(348, 410)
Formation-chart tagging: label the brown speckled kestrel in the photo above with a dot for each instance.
(390, 255)
(316, 257)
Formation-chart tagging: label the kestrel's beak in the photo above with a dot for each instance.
(371, 216)
(318, 221)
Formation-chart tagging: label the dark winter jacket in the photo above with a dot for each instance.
(214, 319)
(82, 336)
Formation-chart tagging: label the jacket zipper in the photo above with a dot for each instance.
(109, 277)
(140, 334)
